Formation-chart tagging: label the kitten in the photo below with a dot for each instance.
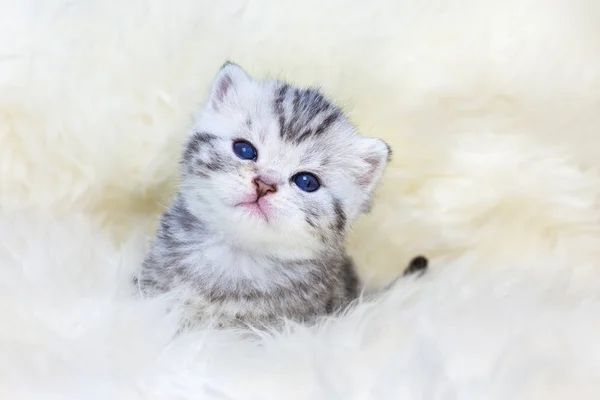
(272, 177)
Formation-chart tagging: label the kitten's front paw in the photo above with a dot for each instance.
(418, 265)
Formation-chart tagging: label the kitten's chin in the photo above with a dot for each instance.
(260, 232)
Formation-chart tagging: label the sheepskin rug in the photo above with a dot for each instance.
(492, 108)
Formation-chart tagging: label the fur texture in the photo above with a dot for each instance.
(250, 256)
(491, 108)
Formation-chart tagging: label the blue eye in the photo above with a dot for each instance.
(306, 181)
(244, 150)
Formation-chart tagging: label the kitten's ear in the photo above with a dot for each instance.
(374, 155)
(228, 79)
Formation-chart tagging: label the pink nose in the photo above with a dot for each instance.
(263, 188)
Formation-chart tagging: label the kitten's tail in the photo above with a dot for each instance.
(417, 266)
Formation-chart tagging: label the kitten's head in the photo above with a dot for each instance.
(278, 168)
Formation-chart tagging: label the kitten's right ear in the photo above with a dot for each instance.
(228, 79)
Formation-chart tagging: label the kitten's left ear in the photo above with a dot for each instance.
(228, 79)
(374, 155)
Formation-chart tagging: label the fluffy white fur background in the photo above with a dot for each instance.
(492, 108)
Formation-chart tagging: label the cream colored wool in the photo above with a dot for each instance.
(491, 107)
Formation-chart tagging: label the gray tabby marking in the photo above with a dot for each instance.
(310, 114)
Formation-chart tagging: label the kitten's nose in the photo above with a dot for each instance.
(263, 188)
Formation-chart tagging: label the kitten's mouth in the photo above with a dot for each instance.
(254, 208)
